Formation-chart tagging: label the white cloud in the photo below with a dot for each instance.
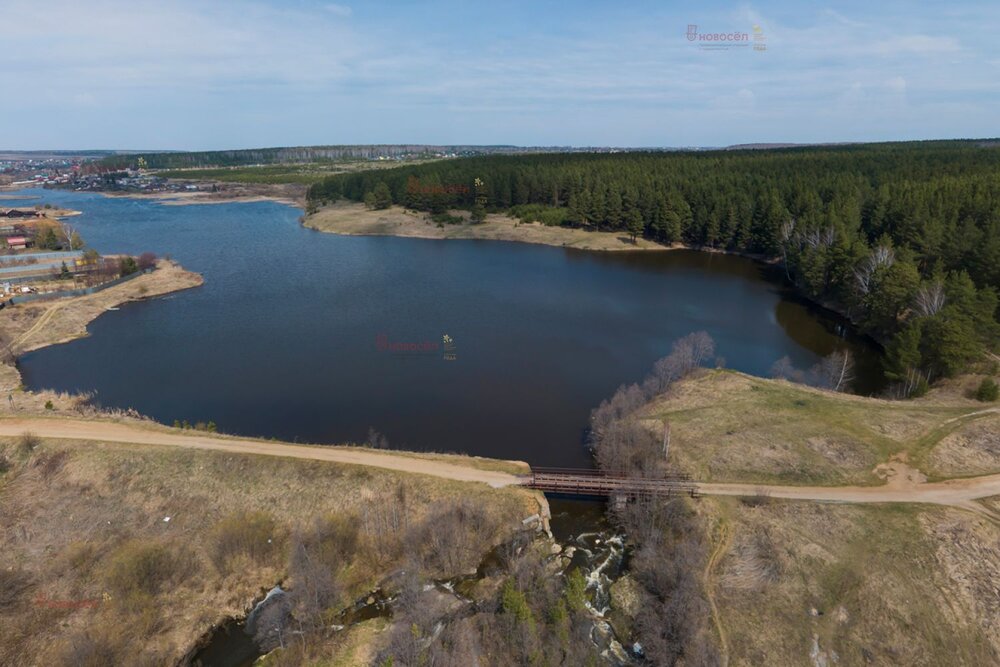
(300, 69)
(896, 84)
(339, 10)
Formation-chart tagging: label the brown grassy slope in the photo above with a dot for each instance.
(898, 585)
(80, 518)
(731, 427)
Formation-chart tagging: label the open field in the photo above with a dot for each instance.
(800, 583)
(80, 515)
(731, 427)
(276, 174)
(287, 193)
(354, 219)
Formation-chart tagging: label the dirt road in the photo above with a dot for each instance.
(960, 492)
(955, 492)
(76, 429)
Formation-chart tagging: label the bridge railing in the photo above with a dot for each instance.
(586, 481)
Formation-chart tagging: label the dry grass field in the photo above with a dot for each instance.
(731, 427)
(801, 583)
(167, 542)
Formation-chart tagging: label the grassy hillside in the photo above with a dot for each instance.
(803, 583)
(168, 542)
(299, 173)
(731, 427)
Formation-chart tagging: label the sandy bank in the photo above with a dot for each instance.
(354, 219)
(30, 326)
(228, 193)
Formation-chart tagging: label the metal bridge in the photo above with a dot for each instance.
(587, 482)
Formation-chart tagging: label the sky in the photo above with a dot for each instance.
(197, 75)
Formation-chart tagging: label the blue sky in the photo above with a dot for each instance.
(221, 74)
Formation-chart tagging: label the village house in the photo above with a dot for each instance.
(17, 242)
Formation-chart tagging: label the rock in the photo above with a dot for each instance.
(625, 596)
(569, 552)
(841, 614)
(556, 548)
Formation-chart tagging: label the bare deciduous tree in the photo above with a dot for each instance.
(930, 299)
(835, 372)
(315, 588)
(7, 355)
(69, 234)
(881, 256)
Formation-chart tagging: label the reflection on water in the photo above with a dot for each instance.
(283, 340)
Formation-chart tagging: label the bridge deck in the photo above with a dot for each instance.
(595, 483)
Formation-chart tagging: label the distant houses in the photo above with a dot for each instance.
(15, 237)
(20, 213)
(16, 242)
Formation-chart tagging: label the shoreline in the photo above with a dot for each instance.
(353, 219)
(229, 193)
(34, 325)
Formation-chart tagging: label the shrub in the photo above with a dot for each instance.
(547, 215)
(140, 568)
(28, 443)
(128, 266)
(760, 497)
(14, 583)
(81, 556)
(4, 464)
(49, 406)
(248, 534)
(988, 391)
(514, 602)
(88, 650)
(50, 463)
(447, 219)
(147, 260)
(576, 590)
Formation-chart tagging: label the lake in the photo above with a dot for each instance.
(313, 337)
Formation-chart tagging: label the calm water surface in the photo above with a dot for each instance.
(292, 334)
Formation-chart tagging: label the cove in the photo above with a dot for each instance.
(314, 337)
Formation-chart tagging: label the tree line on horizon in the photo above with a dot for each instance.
(902, 238)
